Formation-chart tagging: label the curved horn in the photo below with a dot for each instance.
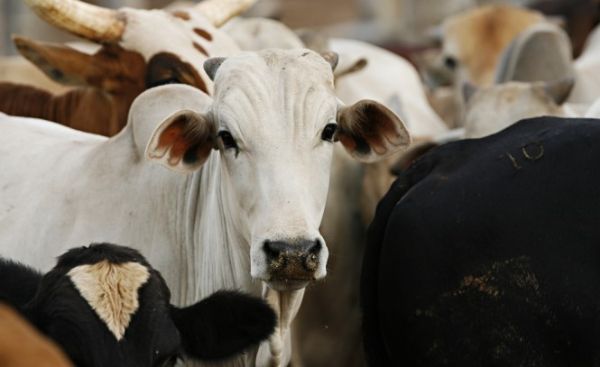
(88, 21)
(218, 12)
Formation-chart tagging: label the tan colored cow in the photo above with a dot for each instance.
(22, 346)
(474, 40)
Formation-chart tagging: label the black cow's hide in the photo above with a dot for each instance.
(486, 252)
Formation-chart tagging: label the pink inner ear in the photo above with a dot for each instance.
(177, 151)
(173, 140)
(347, 141)
(169, 136)
(185, 139)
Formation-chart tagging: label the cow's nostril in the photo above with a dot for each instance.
(316, 247)
(270, 250)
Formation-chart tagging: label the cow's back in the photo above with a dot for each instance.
(38, 158)
(486, 252)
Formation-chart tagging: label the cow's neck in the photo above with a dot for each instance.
(219, 245)
(216, 237)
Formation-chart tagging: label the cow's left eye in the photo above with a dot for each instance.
(328, 133)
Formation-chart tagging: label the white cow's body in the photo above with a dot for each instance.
(90, 188)
(98, 189)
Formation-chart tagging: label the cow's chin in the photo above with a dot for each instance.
(287, 285)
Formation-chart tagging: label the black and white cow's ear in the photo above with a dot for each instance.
(223, 325)
(370, 131)
(183, 141)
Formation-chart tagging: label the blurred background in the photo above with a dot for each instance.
(400, 25)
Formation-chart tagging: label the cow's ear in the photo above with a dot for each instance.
(183, 141)
(223, 325)
(370, 131)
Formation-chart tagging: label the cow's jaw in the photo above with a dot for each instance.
(275, 106)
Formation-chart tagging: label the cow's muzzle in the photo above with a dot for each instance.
(293, 263)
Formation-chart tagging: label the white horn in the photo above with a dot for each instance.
(88, 21)
(220, 11)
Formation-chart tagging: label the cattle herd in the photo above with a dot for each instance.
(196, 188)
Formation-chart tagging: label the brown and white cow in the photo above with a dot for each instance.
(138, 49)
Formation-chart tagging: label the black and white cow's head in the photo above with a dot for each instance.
(106, 306)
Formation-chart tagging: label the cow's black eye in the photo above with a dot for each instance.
(328, 133)
(450, 62)
(228, 141)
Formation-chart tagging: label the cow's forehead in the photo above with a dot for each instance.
(275, 86)
(281, 61)
(111, 290)
(275, 72)
(192, 38)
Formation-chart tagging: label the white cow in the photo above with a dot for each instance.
(492, 109)
(245, 213)
(587, 72)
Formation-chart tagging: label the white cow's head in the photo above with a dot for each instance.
(273, 121)
(492, 109)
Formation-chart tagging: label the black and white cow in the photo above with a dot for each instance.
(106, 306)
(486, 252)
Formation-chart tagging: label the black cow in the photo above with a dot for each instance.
(486, 252)
(106, 306)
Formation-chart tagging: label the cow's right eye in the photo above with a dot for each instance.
(228, 141)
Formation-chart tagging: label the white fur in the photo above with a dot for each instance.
(587, 72)
(495, 108)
